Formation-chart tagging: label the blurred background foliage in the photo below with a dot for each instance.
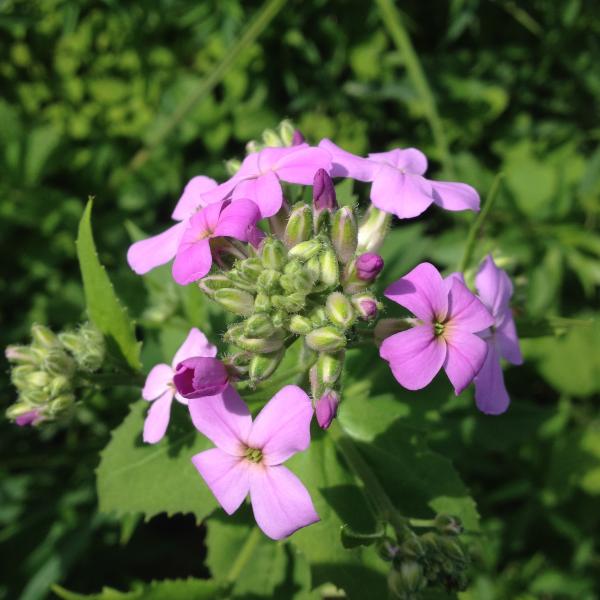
(87, 87)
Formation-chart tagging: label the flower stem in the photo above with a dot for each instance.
(113, 379)
(244, 555)
(477, 225)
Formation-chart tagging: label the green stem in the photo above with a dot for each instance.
(266, 14)
(392, 20)
(113, 379)
(244, 555)
(477, 225)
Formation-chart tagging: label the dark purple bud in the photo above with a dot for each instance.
(200, 376)
(368, 266)
(365, 305)
(297, 138)
(326, 408)
(28, 418)
(323, 192)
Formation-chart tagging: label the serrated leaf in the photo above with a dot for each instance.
(134, 477)
(103, 306)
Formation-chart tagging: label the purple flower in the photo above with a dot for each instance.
(193, 259)
(200, 376)
(368, 266)
(160, 389)
(326, 408)
(248, 456)
(29, 418)
(495, 290)
(145, 255)
(450, 316)
(259, 177)
(297, 138)
(398, 183)
(323, 192)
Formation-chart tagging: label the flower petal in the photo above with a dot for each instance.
(345, 164)
(145, 255)
(508, 342)
(282, 427)
(410, 160)
(227, 477)
(224, 419)
(191, 199)
(195, 344)
(466, 353)
(200, 376)
(402, 194)
(238, 218)
(490, 392)
(157, 382)
(415, 356)
(301, 165)
(452, 195)
(192, 262)
(465, 310)
(422, 291)
(158, 417)
(493, 286)
(280, 502)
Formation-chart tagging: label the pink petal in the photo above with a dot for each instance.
(493, 286)
(415, 356)
(465, 310)
(224, 419)
(345, 164)
(410, 160)
(157, 382)
(192, 262)
(280, 502)
(466, 353)
(455, 196)
(508, 342)
(223, 190)
(422, 291)
(264, 191)
(238, 218)
(301, 165)
(157, 419)
(490, 392)
(191, 199)
(227, 477)
(195, 344)
(402, 194)
(282, 427)
(145, 255)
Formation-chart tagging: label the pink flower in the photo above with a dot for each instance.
(248, 457)
(326, 408)
(160, 389)
(145, 255)
(495, 290)
(261, 172)
(200, 376)
(449, 315)
(33, 417)
(193, 259)
(368, 266)
(398, 183)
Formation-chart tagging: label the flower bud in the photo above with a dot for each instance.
(268, 281)
(258, 325)
(306, 250)
(319, 317)
(263, 366)
(21, 354)
(323, 193)
(366, 305)
(297, 138)
(22, 414)
(253, 146)
(59, 385)
(368, 266)
(61, 404)
(313, 268)
(299, 282)
(326, 339)
(58, 362)
(299, 226)
(38, 379)
(251, 268)
(200, 376)
(260, 345)
(344, 234)
(408, 579)
(339, 310)
(387, 327)
(372, 230)
(38, 397)
(329, 367)
(286, 132)
(315, 386)
(43, 337)
(262, 303)
(326, 408)
(448, 525)
(240, 280)
(232, 166)
(300, 325)
(273, 254)
(290, 303)
(279, 318)
(235, 301)
(329, 268)
(271, 139)
(211, 283)
(278, 221)
(19, 375)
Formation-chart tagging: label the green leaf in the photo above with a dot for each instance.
(103, 306)
(134, 477)
(196, 589)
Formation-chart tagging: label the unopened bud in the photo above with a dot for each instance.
(262, 303)
(61, 404)
(253, 146)
(300, 325)
(329, 367)
(301, 281)
(260, 345)
(372, 230)
(19, 375)
(235, 301)
(412, 548)
(273, 254)
(286, 132)
(271, 139)
(290, 303)
(297, 138)
(210, 284)
(200, 376)
(306, 250)
(278, 221)
(299, 226)
(232, 166)
(22, 414)
(366, 305)
(411, 577)
(329, 268)
(268, 281)
(21, 354)
(344, 234)
(58, 362)
(251, 268)
(263, 366)
(259, 325)
(326, 408)
(59, 385)
(240, 280)
(448, 524)
(279, 318)
(368, 266)
(38, 379)
(326, 339)
(323, 193)
(43, 337)
(39, 397)
(339, 310)
(313, 268)
(319, 317)
(388, 327)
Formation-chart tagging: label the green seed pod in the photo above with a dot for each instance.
(299, 226)
(344, 234)
(339, 310)
(306, 250)
(210, 284)
(329, 268)
(273, 254)
(329, 367)
(43, 337)
(326, 339)
(262, 303)
(258, 325)
(263, 366)
(300, 325)
(235, 301)
(268, 281)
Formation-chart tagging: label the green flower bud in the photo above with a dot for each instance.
(268, 281)
(300, 282)
(326, 339)
(37, 397)
(20, 374)
(300, 325)
(251, 268)
(299, 226)
(260, 345)
(293, 267)
(232, 166)
(263, 366)
(452, 549)
(344, 234)
(319, 317)
(38, 379)
(262, 303)
(58, 362)
(448, 524)
(22, 410)
(235, 301)
(253, 146)
(290, 303)
(330, 272)
(271, 139)
(273, 254)
(329, 368)
(410, 578)
(279, 319)
(210, 284)
(278, 221)
(22, 355)
(339, 310)
(241, 281)
(59, 385)
(61, 404)
(372, 230)
(306, 250)
(412, 548)
(286, 132)
(43, 337)
(313, 268)
(258, 325)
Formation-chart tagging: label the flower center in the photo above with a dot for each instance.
(253, 455)
(438, 328)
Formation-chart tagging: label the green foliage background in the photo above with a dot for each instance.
(88, 87)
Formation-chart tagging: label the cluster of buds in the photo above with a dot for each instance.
(46, 372)
(304, 280)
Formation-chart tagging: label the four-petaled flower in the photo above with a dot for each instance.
(248, 456)
(450, 316)
(398, 186)
(160, 389)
